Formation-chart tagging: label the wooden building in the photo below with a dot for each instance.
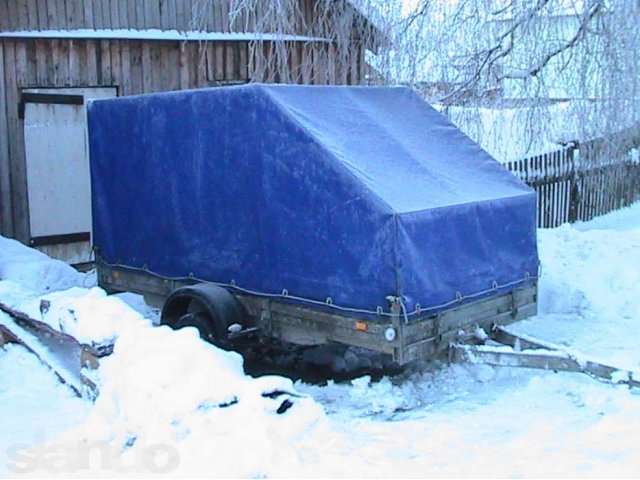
(57, 54)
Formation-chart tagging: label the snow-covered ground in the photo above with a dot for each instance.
(170, 404)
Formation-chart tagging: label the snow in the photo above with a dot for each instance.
(157, 34)
(34, 270)
(170, 404)
(588, 298)
(165, 387)
(35, 406)
(88, 315)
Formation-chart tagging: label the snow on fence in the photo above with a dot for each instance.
(580, 181)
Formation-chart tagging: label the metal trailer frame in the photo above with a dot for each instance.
(424, 337)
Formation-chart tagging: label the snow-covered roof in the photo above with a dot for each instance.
(156, 34)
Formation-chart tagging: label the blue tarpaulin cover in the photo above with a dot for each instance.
(353, 193)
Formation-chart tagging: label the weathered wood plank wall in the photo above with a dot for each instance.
(133, 66)
(181, 15)
(116, 14)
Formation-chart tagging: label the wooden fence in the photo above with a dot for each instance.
(579, 182)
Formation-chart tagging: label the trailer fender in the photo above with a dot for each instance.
(209, 308)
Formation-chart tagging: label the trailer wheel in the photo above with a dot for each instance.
(209, 308)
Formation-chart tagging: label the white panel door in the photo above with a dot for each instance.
(58, 179)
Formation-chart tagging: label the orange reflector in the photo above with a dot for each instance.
(116, 275)
(361, 326)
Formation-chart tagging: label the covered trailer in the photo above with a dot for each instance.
(311, 214)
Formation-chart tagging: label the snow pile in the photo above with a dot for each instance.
(588, 291)
(159, 388)
(51, 291)
(593, 279)
(168, 388)
(35, 405)
(88, 315)
(35, 270)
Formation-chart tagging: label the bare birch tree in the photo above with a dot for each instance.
(569, 66)
(528, 72)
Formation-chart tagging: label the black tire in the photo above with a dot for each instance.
(209, 308)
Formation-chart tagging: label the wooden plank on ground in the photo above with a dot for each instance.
(63, 354)
(6, 337)
(555, 360)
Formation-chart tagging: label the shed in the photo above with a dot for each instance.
(348, 193)
(57, 54)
